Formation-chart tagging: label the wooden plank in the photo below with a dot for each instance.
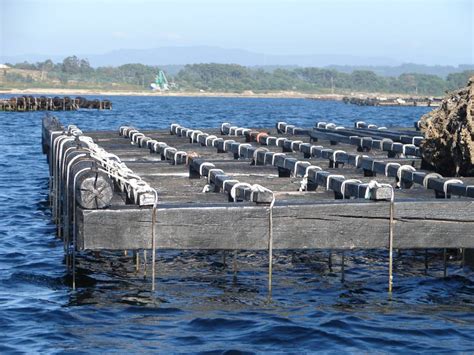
(437, 224)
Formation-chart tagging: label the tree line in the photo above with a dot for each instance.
(236, 78)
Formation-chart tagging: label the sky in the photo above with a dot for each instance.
(417, 31)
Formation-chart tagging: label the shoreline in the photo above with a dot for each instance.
(245, 94)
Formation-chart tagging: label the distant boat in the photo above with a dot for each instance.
(161, 82)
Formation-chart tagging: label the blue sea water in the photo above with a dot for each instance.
(199, 305)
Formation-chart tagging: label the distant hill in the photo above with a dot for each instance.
(172, 59)
(208, 54)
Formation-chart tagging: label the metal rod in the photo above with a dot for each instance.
(153, 248)
(270, 248)
(390, 249)
(144, 262)
(137, 260)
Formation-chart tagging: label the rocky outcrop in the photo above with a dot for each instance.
(449, 133)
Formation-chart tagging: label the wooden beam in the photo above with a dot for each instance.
(348, 225)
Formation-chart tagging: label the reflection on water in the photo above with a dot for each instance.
(202, 305)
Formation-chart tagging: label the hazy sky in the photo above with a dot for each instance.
(430, 31)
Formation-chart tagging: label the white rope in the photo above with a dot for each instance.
(255, 153)
(161, 144)
(304, 182)
(233, 190)
(416, 137)
(388, 165)
(199, 135)
(239, 131)
(449, 182)
(267, 140)
(215, 141)
(209, 173)
(339, 128)
(429, 176)
(330, 126)
(382, 128)
(208, 138)
(259, 188)
(229, 141)
(293, 143)
(335, 153)
(246, 145)
(204, 165)
(232, 128)
(372, 126)
(321, 125)
(358, 157)
(206, 188)
(193, 134)
(176, 154)
(287, 127)
(228, 182)
(400, 170)
(358, 123)
(388, 140)
(278, 140)
(374, 184)
(405, 147)
(343, 186)
(173, 128)
(168, 149)
(314, 147)
(279, 124)
(265, 156)
(276, 155)
(332, 176)
(295, 170)
(222, 126)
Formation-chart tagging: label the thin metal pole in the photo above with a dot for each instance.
(390, 249)
(137, 260)
(153, 248)
(144, 262)
(270, 247)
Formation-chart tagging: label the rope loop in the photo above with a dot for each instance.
(429, 176)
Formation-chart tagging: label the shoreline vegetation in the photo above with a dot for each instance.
(245, 94)
(75, 76)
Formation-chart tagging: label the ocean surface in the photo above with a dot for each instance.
(200, 305)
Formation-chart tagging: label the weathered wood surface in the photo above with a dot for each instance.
(445, 224)
(191, 219)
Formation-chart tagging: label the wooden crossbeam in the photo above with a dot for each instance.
(287, 165)
(338, 225)
(405, 177)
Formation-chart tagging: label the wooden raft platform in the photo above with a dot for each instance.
(43, 103)
(236, 188)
